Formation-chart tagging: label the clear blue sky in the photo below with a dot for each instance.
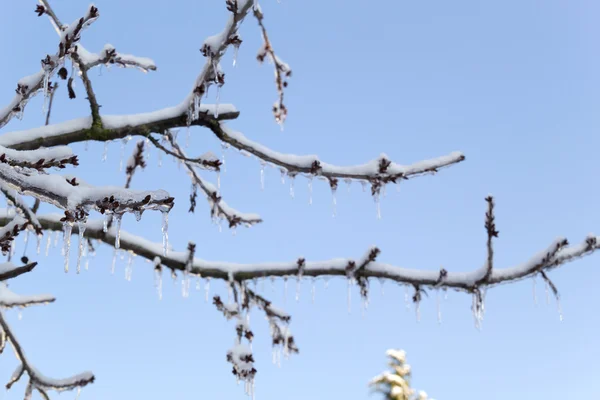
(513, 84)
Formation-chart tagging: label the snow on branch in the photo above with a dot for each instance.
(213, 48)
(9, 299)
(282, 69)
(9, 271)
(110, 56)
(29, 86)
(37, 380)
(70, 194)
(218, 208)
(57, 157)
(378, 171)
(555, 255)
(18, 202)
(113, 127)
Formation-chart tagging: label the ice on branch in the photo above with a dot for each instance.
(69, 194)
(110, 56)
(9, 299)
(57, 157)
(29, 86)
(378, 171)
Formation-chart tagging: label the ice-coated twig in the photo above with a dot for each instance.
(378, 171)
(206, 161)
(110, 56)
(113, 127)
(37, 380)
(69, 194)
(18, 202)
(136, 160)
(282, 69)
(28, 86)
(213, 49)
(9, 271)
(557, 254)
(9, 299)
(40, 159)
(219, 209)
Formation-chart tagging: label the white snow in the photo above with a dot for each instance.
(10, 299)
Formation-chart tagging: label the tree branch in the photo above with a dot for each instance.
(557, 254)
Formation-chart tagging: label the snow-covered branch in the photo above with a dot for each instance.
(9, 299)
(555, 255)
(37, 380)
(378, 171)
(113, 127)
(29, 86)
(218, 208)
(9, 271)
(57, 157)
(110, 56)
(282, 69)
(213, 48)
(69, 194)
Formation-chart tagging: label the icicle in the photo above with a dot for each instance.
(310, 190)
(559, 308)
(535, 300)
(39, 243)
(406, 298)
(418, 310)
(313, 291)
(292, 195)
(235, 54)
(159, 159)
(439, 309)
(348, 183)
(377, 198)
(381, 283)
(165, 227)
(547, 287)
(129, 267)
(114, 262)
(283, 173)
(285, 289)
(349, 295)
(334, 201)
(117, 221)
(20, 316)
(364, 185)
(48, 242)
(105, 223)
(158, 281)
(123, 145)
(188, 135)
(272, 284)
(185, 286)
(67, 228)
(218, 182)
(224, 147)
(105, 152)
(56, 235)
(81, 227)
(86, 145)
(326, 283)
(206, 289)
(262, 175)
(217, 101)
